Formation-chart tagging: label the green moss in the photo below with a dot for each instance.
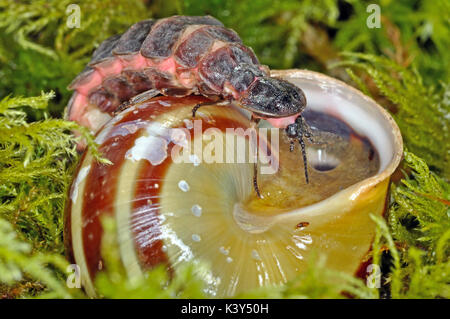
(421, 200)
(16, 260)
(410, 31)
(417, 234)
(157, 283)
(36, 165)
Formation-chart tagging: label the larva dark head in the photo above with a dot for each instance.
(269, 97)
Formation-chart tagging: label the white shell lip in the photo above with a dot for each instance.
(387, 141)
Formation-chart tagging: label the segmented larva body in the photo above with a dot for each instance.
(177, 56)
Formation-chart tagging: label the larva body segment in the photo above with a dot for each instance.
(162, 37)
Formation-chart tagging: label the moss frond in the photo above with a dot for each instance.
(417, 234)
(420, 211)
(157, 283)
(17, 262)
(37, 160)
(409, 30)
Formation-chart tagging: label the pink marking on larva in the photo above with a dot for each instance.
(133, 61)
(168, 65)
(188, 78)
(282, 122)
(217, 45)
(149, 62)
(88, 82)
(86, 114)
(229, 90)
(77, 107)
(93, 117)
(109, 67)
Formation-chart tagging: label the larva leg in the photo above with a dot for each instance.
(254, 124)
(255, 179)
(195, 108)
(145, 96)
(305, 163)
(137, 99)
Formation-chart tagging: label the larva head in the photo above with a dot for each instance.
(269, 97)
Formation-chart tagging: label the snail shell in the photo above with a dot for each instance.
(170, 211)
(148, 193)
